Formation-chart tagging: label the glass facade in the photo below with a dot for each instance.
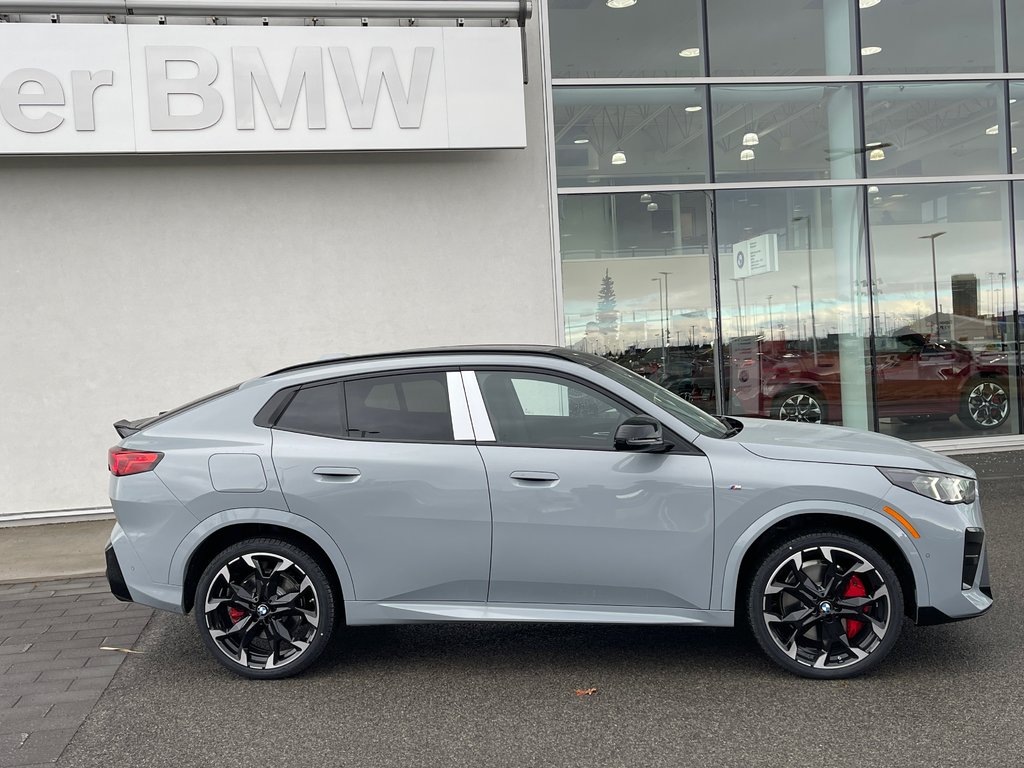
(798, 211)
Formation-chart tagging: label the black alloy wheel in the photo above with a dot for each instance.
(986, 404)
(265, 608)
(802, 405)
(825, 606)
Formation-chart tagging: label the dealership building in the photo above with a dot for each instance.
(787, 208)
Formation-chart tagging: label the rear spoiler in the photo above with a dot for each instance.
(126, 428)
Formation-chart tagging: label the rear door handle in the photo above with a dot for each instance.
(534, 479)
(337, 474)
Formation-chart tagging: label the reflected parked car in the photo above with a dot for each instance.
(917, 380)
(531, 484)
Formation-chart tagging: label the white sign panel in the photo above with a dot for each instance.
(83, 88)
(756, 256)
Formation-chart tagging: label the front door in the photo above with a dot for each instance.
(579, 523)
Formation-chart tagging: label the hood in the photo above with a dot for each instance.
(793, 441)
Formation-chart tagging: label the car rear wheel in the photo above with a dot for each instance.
(986, 404)
(265, 608)
(802, 405)
(825, 606)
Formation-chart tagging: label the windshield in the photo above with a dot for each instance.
(689, 414)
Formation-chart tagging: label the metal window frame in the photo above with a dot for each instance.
(421, 9)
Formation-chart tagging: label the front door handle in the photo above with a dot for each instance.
(534, 479)
(337, 474)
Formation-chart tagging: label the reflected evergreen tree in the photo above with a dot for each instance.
(607, 315)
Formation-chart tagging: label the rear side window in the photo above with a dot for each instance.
(315, 410)
(399, 407)
(406, 407)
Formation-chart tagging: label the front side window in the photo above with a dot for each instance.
(540, 410)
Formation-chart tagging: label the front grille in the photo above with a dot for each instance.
(974, 541)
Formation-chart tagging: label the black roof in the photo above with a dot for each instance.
(583, 358)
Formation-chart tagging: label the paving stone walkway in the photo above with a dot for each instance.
(52, 668)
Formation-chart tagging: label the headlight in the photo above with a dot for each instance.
(949, 489)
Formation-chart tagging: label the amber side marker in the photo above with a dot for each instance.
(902, 521)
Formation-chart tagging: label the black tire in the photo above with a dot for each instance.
(923, 418)
(803, 405)
(265, 608)
(803, 615)
(985, 404)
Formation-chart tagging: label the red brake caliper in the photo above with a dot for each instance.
(236, 614)
(854, 588)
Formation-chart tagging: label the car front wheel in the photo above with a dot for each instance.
(265, 608)
(825, 606)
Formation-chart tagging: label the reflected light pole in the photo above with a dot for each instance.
(661, 324)
(935, 278)
(810, 285)
(771, 323)
(796, 303)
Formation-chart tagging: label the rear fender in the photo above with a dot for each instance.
(289, 520)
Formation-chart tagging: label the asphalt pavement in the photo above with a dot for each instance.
(505, 694)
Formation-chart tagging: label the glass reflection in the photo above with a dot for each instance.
(960, 37)
(636, 282)
(646, 39)
(630, 135)
(794, 304)
(945, 355)
(784, 132)
(933, 129)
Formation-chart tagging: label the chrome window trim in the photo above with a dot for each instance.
(792, 184)
(462, 424)
(477, 410)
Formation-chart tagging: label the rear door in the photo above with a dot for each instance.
(386, 464)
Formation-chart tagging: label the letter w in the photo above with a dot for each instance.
(250, 73)
(362, 106)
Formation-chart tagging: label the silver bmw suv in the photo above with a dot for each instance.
(530, 484)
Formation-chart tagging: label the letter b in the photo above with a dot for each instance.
(161, 87)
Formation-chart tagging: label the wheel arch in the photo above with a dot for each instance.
(225, 528)
(890, 541)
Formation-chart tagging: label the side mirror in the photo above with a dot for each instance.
(639, 433)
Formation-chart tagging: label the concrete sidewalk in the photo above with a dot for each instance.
(53, 550)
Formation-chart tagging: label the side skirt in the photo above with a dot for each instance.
(363, 612)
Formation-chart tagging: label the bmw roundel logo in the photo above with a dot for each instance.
(740, 258)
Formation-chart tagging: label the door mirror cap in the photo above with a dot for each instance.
(639, 433)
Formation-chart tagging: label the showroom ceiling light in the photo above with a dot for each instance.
(694, 108)
(992, 130)
(871, 144)
(645, 197)
(897, 195)
(747, 154)
(620, 3)
(1013, 150)
(581, 140)
(689, 53)
(618, 157)
(869, 3)
(872, 189)
(877, 154)
(652, 207)
(751, 139)
(870, 50)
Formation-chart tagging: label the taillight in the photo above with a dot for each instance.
(123, 462)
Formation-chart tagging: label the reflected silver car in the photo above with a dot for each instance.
(530, 484)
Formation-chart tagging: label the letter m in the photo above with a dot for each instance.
(250, 74)
(361, 106)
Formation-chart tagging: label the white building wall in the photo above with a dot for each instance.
(130, 285)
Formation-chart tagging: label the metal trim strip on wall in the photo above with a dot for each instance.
(421, 9)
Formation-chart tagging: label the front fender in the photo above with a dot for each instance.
(194, 539)
(727, 586)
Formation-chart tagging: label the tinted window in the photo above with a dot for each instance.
(408, 407)
(547, 411)
(315, 410)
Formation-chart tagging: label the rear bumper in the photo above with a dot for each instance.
(118, 587)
